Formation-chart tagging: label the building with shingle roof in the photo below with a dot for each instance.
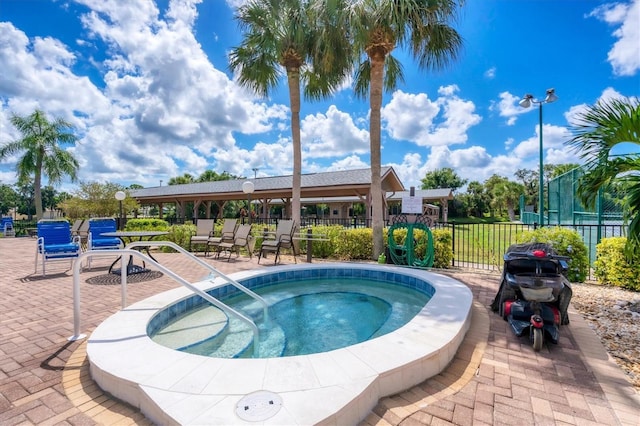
(339, 189)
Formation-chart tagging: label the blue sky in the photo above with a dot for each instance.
(147, 86)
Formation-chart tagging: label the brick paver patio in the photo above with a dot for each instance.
(496, 378)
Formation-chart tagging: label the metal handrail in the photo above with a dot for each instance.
(125, 254)
(228, 279)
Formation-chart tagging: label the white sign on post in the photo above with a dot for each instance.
(411, 205)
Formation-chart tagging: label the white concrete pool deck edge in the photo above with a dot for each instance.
(336, 387)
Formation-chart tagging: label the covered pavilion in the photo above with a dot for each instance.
(338, 189)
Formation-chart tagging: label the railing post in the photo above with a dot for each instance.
(309, 235)
(453, 244)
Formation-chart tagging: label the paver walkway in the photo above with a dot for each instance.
(495, 378)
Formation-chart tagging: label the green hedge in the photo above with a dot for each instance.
(612, 267)
(354, 244)
(146, 225)
(443, 248)
(560, 239)
(341, 243)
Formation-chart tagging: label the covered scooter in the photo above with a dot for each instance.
(534, 293)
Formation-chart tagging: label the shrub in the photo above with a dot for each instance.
(146, 225)
(323, 249)
(612, 267)
(560, 239)
(354, 244)
(443, 248)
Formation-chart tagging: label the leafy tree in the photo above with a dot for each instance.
(299, 37)
(476, 199)
(506, 194)
(97, 199)
(42, 153)
(8, 198)
(212, 176)
(560, 169)
(442, 178)
(181, 180)
(376, 28)
(26, 195)
(598, 130)
(529, 180)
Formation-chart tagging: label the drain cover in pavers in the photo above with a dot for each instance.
(258, 406)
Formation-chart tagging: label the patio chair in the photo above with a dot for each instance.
(75, 228)
(283, 240)
(55, 242)
(241, 239)
(227, 235)
(6, 225)
(83, 233)
(96, 241)
(204, 230)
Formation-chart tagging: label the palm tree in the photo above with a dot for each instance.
(296, 38)
(598, 130)
(376, 28)
(43, 155)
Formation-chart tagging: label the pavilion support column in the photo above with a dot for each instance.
(445, 209)
(160, 207)
(208, 209)
(196, 205)
(180, 214)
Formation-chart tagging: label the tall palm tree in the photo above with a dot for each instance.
(43, 154)
(598, 130)
(295, 38)
(376, 28)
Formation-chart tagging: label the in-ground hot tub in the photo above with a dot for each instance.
(336, 387)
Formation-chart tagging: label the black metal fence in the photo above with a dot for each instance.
(482, 245)
(475, 245)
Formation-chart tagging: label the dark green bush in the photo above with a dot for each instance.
(560, 239)
(612, 267)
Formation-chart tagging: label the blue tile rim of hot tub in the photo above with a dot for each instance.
(166, 315)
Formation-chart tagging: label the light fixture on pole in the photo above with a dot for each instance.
(255, 172)
(526, 102)
(120, 196)
(248, 189)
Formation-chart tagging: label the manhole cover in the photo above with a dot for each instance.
(258, 406)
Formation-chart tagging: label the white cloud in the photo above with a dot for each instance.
(490, 73)
(426, 122)
(163, 108)
(624, 56)
(554, 138)
(508, 107)
(332, 135)
(573, 112)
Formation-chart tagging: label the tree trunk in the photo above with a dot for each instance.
(375, 97)
(37, 190)
(293, 77)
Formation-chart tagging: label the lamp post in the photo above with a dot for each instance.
(526, 102)
(120, 195)
(255, 172)
(248, 189)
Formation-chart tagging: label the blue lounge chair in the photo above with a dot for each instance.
(6, 226)
(55, 242)
(96, 241)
